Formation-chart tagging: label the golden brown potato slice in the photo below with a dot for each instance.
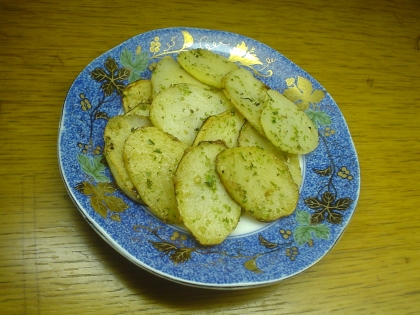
(248, 136)
(206, 208)
(286, 126)
(116, 132)
(136, 93)
(181, 109)
(151, 157)
(258, 181)
(206, 66)
(224, 127)
(247, 94)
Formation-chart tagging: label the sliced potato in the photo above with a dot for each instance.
(136, 93)
(258, 181)
(181, 109)
(140, 110)
(206, 208)
(116, 132)
(286, 126)
(151, 157)
(248, 136)
(206, 66)
(168, 72)
(224, 127)
(247, 94)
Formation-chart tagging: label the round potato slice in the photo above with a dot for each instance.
(151, 157)
(286, 126)
(248, 136)
(117, 130)
(224, 127)
(258, 181)
(181, 109)
(206, 208)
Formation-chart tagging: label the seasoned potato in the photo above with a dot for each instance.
(247, 94)
(206, 208)
(116, 132)
(140, 110)
(206, 66)
(168, 72)
(286, 126)
(258, 181)
(136, 93)
(151, 157)
(181, 109)
(248, 136)
(224, 127)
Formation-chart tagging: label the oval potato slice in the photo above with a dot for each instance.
(136, 93)
(247, 94)
(181, 109)
(206, 208)
(258, 181)
(117, 130)
(224, 127)
(248, 136)
(151, 157)
(286, 126)
(206, 66)
(169, 72)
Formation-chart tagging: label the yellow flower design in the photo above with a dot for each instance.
(302, 93)
(155, 45)
(345, 173)
(240, 53)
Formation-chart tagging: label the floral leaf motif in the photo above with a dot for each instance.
(93, 167)
(112, 77)
(266, 243)
(188, 40)
(306, 231)
(326, 206)
(241, 54)
(181, 255)
(97, 205)
(137, 63)
(101, 115)
(115, 217)
(325, 172)
(319, 117)
(115, 204)
(303, 94)
(303, 217)
(164, 247)
(251, 265)
(100, 200)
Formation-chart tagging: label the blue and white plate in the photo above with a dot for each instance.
(255, 254)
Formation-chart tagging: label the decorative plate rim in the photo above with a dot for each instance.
(296, 242)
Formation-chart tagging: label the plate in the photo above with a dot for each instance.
(256, 254)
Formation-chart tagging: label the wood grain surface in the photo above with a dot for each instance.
(365, 53)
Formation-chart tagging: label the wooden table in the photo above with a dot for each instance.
(366, 54)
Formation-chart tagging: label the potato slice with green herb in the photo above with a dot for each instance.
(248, 136)
(206, 66)
(140, 110)
(169, 72)
(151, 157)
(258, 181)
(136, 93)
(206, 208)
(286, 126)
(116, 132)
(181, 109)
(247, 94)
(224, 127)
